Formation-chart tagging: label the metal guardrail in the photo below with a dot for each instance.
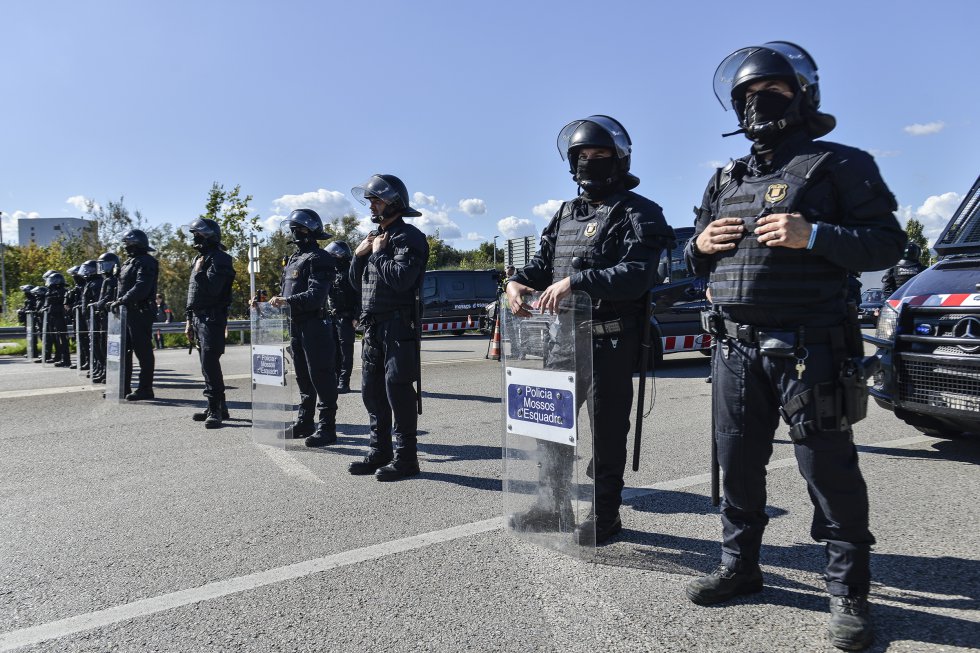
(240, 326)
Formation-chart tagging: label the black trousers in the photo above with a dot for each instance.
(209, 331)
(58, 337)
(611, 384)
(83, 344)
(311, 339)
(389, 359)
(139, 340)
(101, 326)
(748, 390)
(343, 328)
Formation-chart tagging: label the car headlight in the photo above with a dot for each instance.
(887, 321)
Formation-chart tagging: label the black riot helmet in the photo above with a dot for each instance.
(136, 242)
(88, 269)
(76, 276)
(389, 189)
(205, 232)
(305, 226)
(912, 253)
(598, 131)
(780, 60)
(340, 249)
(56, 280)
(26, 288)
(108, 264)
(39, 292)
(48, 274)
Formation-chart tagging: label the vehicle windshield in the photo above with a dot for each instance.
(873, 295)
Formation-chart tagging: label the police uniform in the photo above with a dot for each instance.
(789, 346)
(306, 281)
(108, 291)
(73, 300)
(609, 249)
(900, 274)
(208, 299)
(388, 281)
(344, 308)
(90, 297)
(137, 292)
(164, 316)
(57, 324)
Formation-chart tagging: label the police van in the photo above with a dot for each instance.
(456, 301)
(928, 335)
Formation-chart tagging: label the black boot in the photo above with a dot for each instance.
(541, 518)
(139, 395)
(213, 420)
(224, 410)
(323, 437)
(594, 531)
(724, 583)
(850, 625)
(398, 469)
(369, 464)
(343, 387)
(302, 429)
(200, 416)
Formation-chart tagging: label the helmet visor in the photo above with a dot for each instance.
(618, 133)
(797, 58)
(375, 187)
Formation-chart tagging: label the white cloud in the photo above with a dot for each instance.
(329, 204)
(546, 210)
(924, 129)
(514, 227)
(475, 236)
(432, 221)
(80, 202)
(473, 206)
(934, 213)
(8, 222)
(714, 164)
(885, 154)
(421, 199)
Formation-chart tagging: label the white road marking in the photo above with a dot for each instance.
(144, 607)
(288, 464)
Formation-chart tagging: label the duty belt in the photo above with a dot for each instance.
(608, 328)
(378, 318)
(751, 334)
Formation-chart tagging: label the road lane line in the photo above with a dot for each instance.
(144, 607)
(290, 465)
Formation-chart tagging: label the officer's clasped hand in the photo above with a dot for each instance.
(720, 235)
(783, 230)
(364, 248)
(277, 302)
(379, 242)
(515, 298)
(553, 294)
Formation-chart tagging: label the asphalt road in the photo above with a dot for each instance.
(131, 528)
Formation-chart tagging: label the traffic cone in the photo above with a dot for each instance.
(494, 353)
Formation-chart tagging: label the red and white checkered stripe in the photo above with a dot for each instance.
(432, 327)
(954, 299)
(674, 344)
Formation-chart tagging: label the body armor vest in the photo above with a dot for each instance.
(199, 296)
(342, 297)
(296, 278)
(772, 276)
(904, 271)
(127, 280)
(379, 298)
(55, 301)
(108, 292)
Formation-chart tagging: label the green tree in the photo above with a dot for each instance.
(231, 211)
(345, 228)
(913, 228)
(442, 256)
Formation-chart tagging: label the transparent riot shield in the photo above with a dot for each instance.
(96, 340)
(115, 356)
(273, 377)
(46, 341)
(547, 443)
(81, 338)
(31, 335)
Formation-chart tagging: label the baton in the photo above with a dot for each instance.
(715, 493)
(644, 361)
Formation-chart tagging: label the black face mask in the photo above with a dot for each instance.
(134, 250)
(762, 113)
(200, 244)
(597, 177)
(302, 237)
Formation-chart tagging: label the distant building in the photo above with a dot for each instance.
(44, 231)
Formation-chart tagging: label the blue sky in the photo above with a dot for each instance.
(300, 101)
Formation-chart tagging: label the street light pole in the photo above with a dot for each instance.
(3, 267)
(495, 252)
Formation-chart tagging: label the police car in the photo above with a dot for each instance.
(455, 301)
(928, 335)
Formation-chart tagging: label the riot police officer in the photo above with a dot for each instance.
(208, 299)
(344, 307)
(137, 290)
(306, 281)
(777, 232)
(387, 271)
(606, 242)
(73, 302)
(89, 272)
(39, 295)
(105, 291)
(903, 271)
(57, 325)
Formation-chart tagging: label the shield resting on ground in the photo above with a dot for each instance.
(115, 355)
(47, 340)
(273, 376)
(81, 340)
(95, 339)
(547, 440)
(31, 318)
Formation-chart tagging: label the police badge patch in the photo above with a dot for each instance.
(776, 193)
(591, 229)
